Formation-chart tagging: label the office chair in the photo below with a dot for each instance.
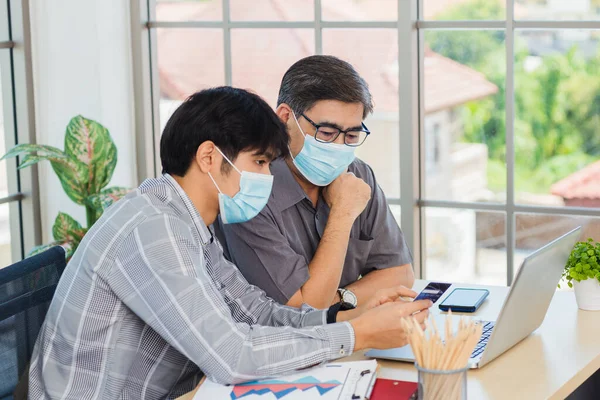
(26, 290)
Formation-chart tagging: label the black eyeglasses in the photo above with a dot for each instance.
(329, 134)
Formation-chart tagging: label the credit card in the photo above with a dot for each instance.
(433, 291)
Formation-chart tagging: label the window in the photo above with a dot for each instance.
(199, 44)
(19, 213)
(524, 146)
(486, 111)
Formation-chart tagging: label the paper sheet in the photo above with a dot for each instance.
(335, 381)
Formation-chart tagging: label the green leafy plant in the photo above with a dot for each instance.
(583, 262)
(84, 169)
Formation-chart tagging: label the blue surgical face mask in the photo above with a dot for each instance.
(254, 193)
(321, 163)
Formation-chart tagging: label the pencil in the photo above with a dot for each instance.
(452, 353)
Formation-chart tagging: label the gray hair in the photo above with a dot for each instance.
(321, 77)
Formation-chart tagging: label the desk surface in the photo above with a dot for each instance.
(550, 364)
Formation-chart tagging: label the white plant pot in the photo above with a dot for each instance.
(587, 294)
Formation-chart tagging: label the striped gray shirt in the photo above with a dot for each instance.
(148, 305)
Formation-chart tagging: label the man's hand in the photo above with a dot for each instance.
(381, 327)
(347, 194)
(382, 296)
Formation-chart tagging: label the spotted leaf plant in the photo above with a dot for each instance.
(84, 169)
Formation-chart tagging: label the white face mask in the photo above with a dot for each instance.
(253, 196)
(321, 163)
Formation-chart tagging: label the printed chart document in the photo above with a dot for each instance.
(335, 381)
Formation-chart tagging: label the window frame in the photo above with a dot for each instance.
(411, 29)
(510, 26)
(19, 127)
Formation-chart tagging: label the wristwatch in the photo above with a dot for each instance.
(335, 308)
(347, 296)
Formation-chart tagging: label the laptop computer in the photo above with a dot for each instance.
(523, 310)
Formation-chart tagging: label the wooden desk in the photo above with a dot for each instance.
(550, 364)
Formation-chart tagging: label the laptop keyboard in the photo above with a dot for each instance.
(483, 341)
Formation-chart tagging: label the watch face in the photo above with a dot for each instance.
(349, 297)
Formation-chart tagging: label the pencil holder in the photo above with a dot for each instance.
(442, 385)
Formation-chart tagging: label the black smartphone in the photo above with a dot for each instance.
(464, 300)
(433, 291)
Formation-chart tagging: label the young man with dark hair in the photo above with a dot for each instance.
(148, 304)
(327, 223)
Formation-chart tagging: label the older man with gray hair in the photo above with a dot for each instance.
(327, 234)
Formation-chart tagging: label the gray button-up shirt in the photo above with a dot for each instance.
(273, 250)
(148, 305)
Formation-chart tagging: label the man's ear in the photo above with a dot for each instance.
(284, 112)
(208, 157)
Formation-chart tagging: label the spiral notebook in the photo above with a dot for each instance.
(335, 381)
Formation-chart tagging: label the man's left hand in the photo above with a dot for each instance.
(382, 296)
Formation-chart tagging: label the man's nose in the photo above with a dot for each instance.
(340, 139)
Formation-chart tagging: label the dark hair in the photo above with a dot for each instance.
(320, 77)
(234, 119)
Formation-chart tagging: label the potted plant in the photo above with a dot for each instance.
(84, 169)
(582, 272)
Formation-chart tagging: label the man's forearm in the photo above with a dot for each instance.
(326, 267)
(365, 287)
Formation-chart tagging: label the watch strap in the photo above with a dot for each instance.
(332, 312)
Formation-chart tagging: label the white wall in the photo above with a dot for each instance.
(382, 151)
(438, 176)
(81, 65)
